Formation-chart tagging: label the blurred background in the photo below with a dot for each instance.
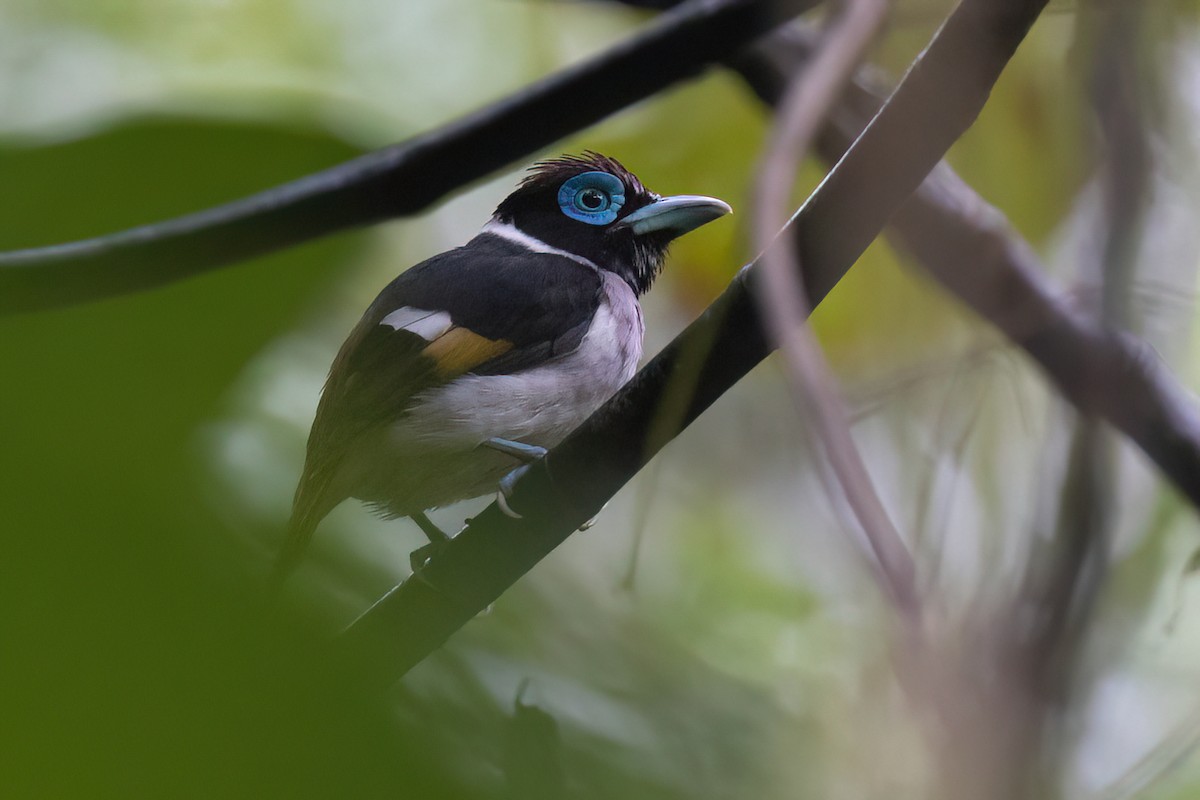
(717, 633)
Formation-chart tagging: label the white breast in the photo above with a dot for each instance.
(540, 405)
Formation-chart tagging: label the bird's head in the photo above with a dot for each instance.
(592, 207)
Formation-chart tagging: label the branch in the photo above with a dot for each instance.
(947, 227)
(801, 112)
(936, 102)
(397, 181)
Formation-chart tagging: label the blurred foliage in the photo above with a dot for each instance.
(148, 445)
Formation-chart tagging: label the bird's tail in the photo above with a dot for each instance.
(312, 503)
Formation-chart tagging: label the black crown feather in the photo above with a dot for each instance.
(545, 176)
(553, 171)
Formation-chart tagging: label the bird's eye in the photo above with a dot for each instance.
(593, 197)
(591, 200)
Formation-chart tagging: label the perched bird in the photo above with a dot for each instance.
(471, 363)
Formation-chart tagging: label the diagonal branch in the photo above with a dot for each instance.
(934, 104)
(397, 181)
(968, 247)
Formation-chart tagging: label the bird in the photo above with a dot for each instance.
(468, 366)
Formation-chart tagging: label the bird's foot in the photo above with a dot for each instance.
(525, 453)
(438, 539)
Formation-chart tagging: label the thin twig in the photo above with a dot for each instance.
(396, 181)
(800, 114)
(642, 506)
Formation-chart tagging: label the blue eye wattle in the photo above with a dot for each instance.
(593, 197)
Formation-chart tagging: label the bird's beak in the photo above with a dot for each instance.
(675, 215)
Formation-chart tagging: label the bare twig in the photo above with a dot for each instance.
(800, 114)
(937, 101)
(1117, 91)
(642, 507)
(397, 181)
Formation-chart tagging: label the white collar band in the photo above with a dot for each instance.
(509, 232)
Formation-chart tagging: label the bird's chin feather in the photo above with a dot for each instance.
(649, 256)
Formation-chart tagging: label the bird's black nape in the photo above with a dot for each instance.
(534, 209)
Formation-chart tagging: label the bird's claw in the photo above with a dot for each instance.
(507, 484)
(525, 453)
(418, 558)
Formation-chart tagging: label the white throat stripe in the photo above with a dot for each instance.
(506, 230)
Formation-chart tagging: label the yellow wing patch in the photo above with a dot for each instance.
(460, 350)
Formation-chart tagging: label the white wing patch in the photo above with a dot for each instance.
(429, 325)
